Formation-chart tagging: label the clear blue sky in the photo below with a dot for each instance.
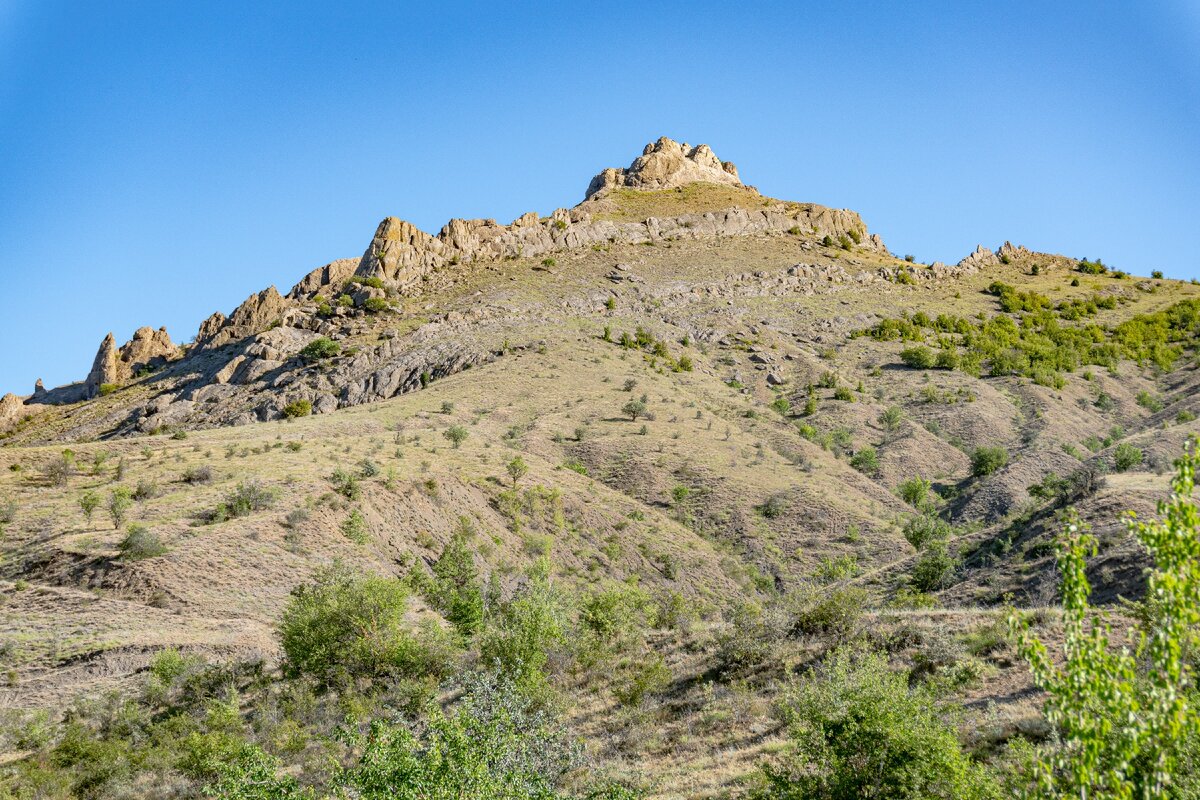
(162, 160)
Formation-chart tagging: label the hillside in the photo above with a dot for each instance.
(721, 399)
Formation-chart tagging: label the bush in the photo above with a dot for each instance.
(1156, 274)
(926, 528)
(519, 634)
(829, 610)
(914, 491)
(866, 461)
(345, 625)
(346, 484)
(497, 743)
(986, 460)
(198, 474)
(320, 348)
(919, 357)
(858, 731)
(376, 305)
(634, 409)
(774, 506)
(1126, 457)
(141, 543)
(248, 497)
(890, 418)
(455, 589)
(297, 408)
(934, 569)
(355, 528)
(1149, 401)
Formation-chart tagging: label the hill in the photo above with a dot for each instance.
(728, 408)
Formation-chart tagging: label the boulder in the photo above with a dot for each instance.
(104, 367)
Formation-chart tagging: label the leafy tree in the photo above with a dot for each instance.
(858, 731)
(119, 503)
(634, 408)
(517, 469)
(457, 434)
(455, 590)
(1123, 713)
(89, 502)
(520, 633)
(935, 567)
(914, 491)
(345, 624)
(866, 461)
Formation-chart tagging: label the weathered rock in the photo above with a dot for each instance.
(12, 408)
(148, 349)
(982, 257)
(667, 164)
(334, 273)
(104, 367)
(39, 388)
(256, 314)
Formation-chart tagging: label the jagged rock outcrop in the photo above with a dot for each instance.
(12, 409)
(148, 349)
(667, 164)
(256, 314)
(982, 257)
(335, 272)
(104, 367)
(1010, 252)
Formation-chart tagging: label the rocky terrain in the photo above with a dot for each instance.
(722, 399)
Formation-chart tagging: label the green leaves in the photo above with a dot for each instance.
(1123, 713)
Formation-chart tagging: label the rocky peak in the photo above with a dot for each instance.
(104, 367)
(667, 164)
(148, 349)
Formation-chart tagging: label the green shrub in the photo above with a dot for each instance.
(297, 408)
(520, 634)
(249, 496)
(497, 743)
(774, 506)
(919, 357)
(139, 543)
(925, 528)
(986, 460)
(866, 461)
(346, 484)
(857, 730)
(890, 418)
(346, 624)
(1149, 401)
(376, 305)
(844, 394)
(89, 501)
(320, 348)
(914, 491)
(1156, 274)
(355, 528)
(1126, 457)
(827, 610)
(457, 434)
(108, 388)
(634, 409)
(934, 568)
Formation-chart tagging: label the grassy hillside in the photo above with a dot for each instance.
(740, 455)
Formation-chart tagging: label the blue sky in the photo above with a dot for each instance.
(162, 160)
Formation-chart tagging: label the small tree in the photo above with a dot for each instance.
(634, 408)
(457, 434)
(89, 502)
(866, 461)
(1123, 713)
(1126, 457)
(919, 357)
(517, 469)
(119, 503)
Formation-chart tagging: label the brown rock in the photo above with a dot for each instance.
(666, 164)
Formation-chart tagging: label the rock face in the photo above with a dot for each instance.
(334, 272)
(12, 408)
(104, 367)
(148, 349)
(667, 164)
(982, 257)
(255, 315)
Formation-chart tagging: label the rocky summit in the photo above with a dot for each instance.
(682, 467)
